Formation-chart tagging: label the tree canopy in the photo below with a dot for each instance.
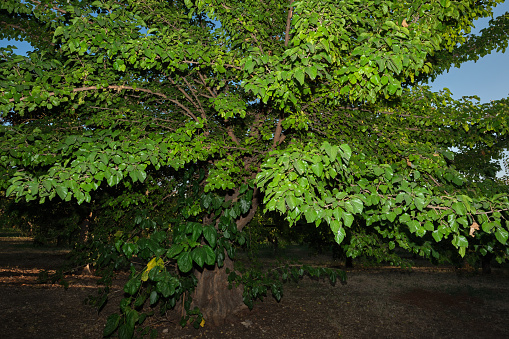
(194, 114)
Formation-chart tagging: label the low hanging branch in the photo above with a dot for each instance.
(122, 87)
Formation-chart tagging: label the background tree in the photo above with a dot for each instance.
(311, 108)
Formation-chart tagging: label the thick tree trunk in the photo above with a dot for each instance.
(212, 296)
(216, 301)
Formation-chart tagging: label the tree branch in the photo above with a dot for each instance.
(245, 219)
(232, 136)
(278, 133)
(288, 23)
(122, 87)
(52, 7)
(198, 105)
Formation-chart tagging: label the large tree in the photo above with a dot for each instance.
(211, 108)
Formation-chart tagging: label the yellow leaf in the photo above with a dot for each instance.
(144, 275)
(151, 264)
(202, 323)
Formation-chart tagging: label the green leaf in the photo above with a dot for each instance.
(396, 60)
(154, 297)
(197, 230)
(428, 226)
(129, 249)
(346, 152)
(185, 262)
(338, 231)
(317, 169)
(210, 256)
(299, 75)
(375, 79)
(449, 155)
(347, 219)
(311, 215)
(451, 219)
(125, 331)
(437, 235)
(132, 286)
(249, 65)
(335, 225)
(388, 173)
(245, 205)
(419, 203)
(299, 166)
(337, 213)
(198, 255)
(488, 226)
(417, 175)
(142, 175)
(413, 226)
(174, 250)
(404, 218)
(61, 191)
(166, 288)
(291, 201)
(457, 181)
(357, 205)
(243, 188)
(47, 185)
(392, 88)
(391, 216)
(210, 234)
(281, 205)
(344, 90)
(312, 71)
(462, 251)
(112, 180)
(461, 241)
(501, 235)
(58, 30)
(111, 324)
(332, 152)
(378, 171)
(10, 189)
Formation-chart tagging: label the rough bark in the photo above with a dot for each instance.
(216, 301)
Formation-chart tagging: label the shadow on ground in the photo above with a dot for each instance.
(383, 302)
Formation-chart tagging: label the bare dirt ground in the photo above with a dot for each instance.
(382, 302)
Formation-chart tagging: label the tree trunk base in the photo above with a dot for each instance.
(213, 297)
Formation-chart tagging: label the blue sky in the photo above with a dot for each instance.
(488, 78)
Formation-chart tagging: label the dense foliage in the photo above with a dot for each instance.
(171, 123)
